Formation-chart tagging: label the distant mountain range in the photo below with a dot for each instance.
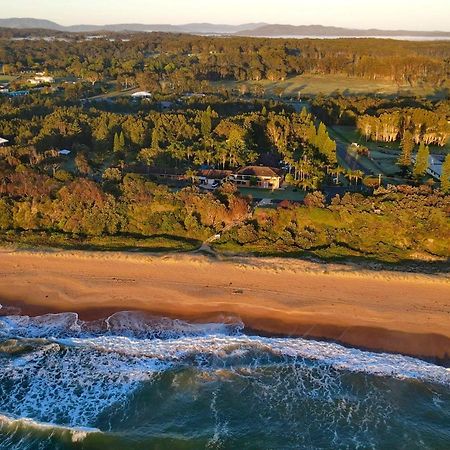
(320, 30)
(250, 29)
(202, 28)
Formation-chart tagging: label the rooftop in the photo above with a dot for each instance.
(259, 171)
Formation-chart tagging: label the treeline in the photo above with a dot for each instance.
(170, 62)
(388, 120)
(425, 126)
(183, 140)
(398, 223)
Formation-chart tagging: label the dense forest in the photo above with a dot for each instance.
(184, 140)
(171, 62)
(104, 192)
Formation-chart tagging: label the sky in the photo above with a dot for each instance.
(383, 14)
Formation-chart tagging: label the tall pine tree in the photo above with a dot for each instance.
(407, 145)
(422, 161)
(116, 145)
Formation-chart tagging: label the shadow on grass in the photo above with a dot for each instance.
(158, 243)
(369, 262)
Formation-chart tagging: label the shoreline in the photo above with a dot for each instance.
(389, 311)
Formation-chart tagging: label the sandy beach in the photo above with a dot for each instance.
(378, 310)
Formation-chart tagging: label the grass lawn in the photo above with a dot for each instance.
(279, 194)
(328, 84)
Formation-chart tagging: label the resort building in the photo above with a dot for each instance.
(258, 176)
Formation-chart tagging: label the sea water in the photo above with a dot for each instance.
(133, 381)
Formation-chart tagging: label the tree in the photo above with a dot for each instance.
(82, 164)
(112, 174)
(422, 161)
(116, 146)
(206, 124)
(122, 141)
(407, 145)
(445, 175)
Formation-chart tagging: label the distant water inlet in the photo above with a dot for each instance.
(133, 381)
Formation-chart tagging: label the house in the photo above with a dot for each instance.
(64, 152)
(41, 79)
(141, 94)
(211, 178)
(3, 141)
(258, 176)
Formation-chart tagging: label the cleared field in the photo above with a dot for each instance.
(279, 194)
(329, 84)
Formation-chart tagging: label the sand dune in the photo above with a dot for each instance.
(391, 311)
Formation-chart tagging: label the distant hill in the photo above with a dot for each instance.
(249, 29)
(320, 30)
(201, 28)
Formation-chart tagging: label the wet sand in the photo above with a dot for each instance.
(378, 310)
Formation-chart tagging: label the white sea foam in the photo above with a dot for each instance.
(77, 434)
(126, 323)
(71, 372)
(223, 348)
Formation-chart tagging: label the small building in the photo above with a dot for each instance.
(258, 176)
(3, 141)
(141, 94)
(211, 178)
(41, 79)
(64, 152)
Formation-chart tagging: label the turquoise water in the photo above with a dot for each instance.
(137, 382)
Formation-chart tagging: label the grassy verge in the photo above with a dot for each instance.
(395, 259)
(159, 243)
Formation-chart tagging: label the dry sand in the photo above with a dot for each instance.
(389, 311)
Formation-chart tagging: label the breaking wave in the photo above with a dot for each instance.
(60, 376)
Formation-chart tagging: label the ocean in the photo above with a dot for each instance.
(395, 38)
(133, 381)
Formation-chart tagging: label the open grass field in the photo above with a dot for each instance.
(329, 84)
(279, 194)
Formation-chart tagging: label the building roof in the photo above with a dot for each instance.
(259, 171)
(3, 141)
(214, 174)
(141, 94)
